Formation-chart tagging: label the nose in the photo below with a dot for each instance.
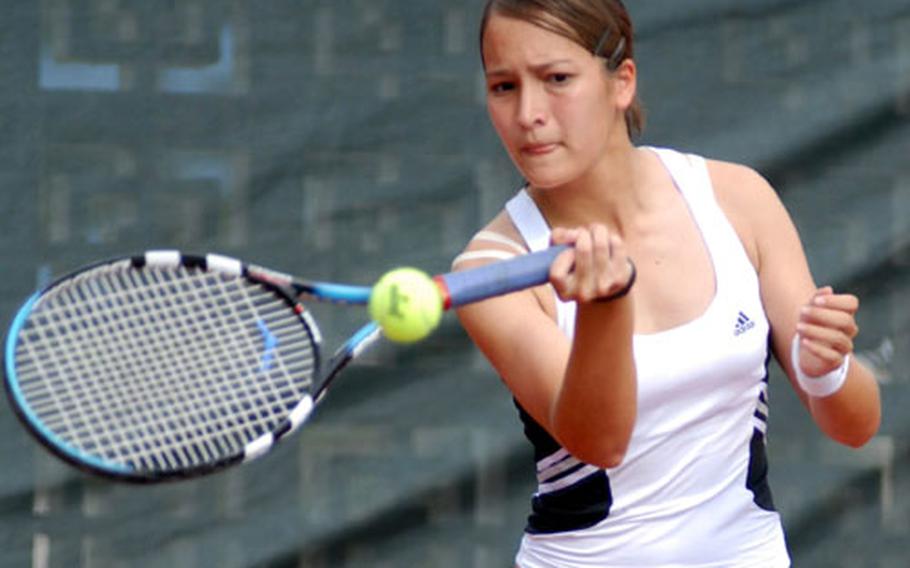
(532, 107)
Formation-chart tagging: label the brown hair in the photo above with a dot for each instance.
(602, 27)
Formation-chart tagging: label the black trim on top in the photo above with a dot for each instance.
(757, 475)
(757, 479)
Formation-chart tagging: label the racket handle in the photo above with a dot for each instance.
(497, 278)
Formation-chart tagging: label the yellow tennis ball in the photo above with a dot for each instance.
(406, 304)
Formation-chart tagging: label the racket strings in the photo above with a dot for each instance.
(170, 402)
(164, 360)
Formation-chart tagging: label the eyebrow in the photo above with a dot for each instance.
(536, 68)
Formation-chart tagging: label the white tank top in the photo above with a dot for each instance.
(692, 488)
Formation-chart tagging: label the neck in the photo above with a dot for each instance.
(610, 193)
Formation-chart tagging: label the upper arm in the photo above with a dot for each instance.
(773, 243)
(517, 333)
(524, 345)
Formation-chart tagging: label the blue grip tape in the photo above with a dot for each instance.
(500, 278)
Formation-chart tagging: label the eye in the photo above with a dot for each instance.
(559, 78)
(501, 87)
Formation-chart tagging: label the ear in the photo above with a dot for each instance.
(625, 78)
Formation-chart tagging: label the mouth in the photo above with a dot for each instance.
(538, 149)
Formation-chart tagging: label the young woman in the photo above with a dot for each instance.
(640, 371)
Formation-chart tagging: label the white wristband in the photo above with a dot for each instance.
(825, 385)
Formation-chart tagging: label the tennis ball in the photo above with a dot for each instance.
(406, 304)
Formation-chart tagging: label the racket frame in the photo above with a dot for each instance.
(283, 286)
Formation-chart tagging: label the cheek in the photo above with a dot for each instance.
(500, 118)
(585, 123)
(578, 127)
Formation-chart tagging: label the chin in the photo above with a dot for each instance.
(547, 175)
(543, 180)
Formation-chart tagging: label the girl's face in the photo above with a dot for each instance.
(552, 103)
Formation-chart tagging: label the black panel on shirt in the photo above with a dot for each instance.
(578, 506)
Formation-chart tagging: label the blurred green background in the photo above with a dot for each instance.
(339, 138)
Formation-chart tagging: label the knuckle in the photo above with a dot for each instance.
(585, 294)
(561, 289)
(583, 242)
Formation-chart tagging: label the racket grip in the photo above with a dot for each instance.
(497, 278)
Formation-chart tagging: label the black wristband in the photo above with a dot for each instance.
(624, 290)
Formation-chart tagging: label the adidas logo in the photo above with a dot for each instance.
(743, 324)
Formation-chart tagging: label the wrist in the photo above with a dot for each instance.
(824, 385)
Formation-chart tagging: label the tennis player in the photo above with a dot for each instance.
(641, 371)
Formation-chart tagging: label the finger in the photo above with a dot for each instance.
(620, 257)
(832, 338)
(843, 302)
(564, 261)
(563, 236)
(561, 272)
(823, 291)
(825, 353)
(828, 318)
(603, 244)
(585, 267)
(620, 266)
(571, 268)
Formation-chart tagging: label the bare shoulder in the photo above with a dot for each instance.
(498, 240)
(740, 187)
(748, 200)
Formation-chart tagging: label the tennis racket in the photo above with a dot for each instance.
(165, 365)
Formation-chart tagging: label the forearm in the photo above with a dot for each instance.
(594, 412)
(851, 415)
